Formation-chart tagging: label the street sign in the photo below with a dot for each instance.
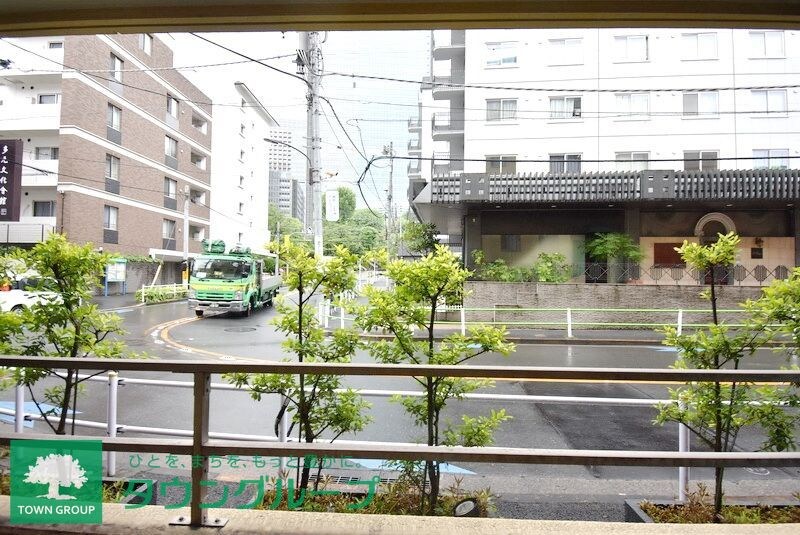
(332, 205)
(10, 179)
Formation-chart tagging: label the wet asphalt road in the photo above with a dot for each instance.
(533, 425)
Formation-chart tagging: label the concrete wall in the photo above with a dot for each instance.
(531, 246)
(506, 297)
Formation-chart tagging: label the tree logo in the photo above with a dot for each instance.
(56, 481)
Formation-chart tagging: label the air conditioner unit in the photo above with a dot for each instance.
(576, 112)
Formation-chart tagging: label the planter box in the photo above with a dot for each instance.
(634, 513)
(133, 498)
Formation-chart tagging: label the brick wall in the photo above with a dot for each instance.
(504, 298)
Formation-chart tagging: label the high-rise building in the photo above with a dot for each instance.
(532, 141)
(114, 142)
(298, 199)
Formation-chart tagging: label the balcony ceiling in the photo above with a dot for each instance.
(52, 17)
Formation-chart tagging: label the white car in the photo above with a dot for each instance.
(18, 298)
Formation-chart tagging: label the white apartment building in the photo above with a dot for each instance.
(567, 97)
(535, 140)
(284, 190)
(240, 177)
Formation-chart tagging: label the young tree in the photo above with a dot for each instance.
(716, 412)
(615, 249)
(316, 406)
(56, 471)
(66, 324)
(419, 288)
(419, 237)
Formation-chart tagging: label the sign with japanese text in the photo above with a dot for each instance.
(332, 205)
(10, 179)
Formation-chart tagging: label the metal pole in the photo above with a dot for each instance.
(569, 323)
(680, 322)
(326, 311)
(19, 409)
(683, 447)
(309, 45)
(283, 432)
(463, 321)
(111, 419)
(341, 316)
(185, 227)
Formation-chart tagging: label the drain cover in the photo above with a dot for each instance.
(240, 329)
(758, 471)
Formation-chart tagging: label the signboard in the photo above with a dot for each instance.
(115, 270)
(10, 179)
(332, 205)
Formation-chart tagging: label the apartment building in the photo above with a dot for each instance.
(114, 142)
(532, 140)
(285, 191)
(241, 177)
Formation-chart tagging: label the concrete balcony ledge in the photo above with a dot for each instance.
(155, 519)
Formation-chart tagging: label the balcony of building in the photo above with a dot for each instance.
(28, 231)
(414, 124)
(414, 146)
(448, 86)
(414, 169)
(39, 173)
(447, 125)
(448, 44)
(34, 112)
(447, 163)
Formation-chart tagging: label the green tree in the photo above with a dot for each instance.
(316, 404)
(551, 267)
(777, 312)
(360, 233)
(282, 225)
(716, 412)
(65, 325)
(411, 303)
(419, 237)
(615, 249)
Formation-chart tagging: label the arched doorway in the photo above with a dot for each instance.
(707, 229)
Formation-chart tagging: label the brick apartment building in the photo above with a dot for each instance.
(114, 143)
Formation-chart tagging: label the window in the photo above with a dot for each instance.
(168, 229)
(55, 45)
(110, 215)
(241, 238)
(565, 163)
(198, 160)
(766, 44)
(699, 46)
(46, 153)
(241, 155)
(565, 107)
(170, 188)
(241, 208)
(632, 161)
(697, 160)
(170, 147)
(665, 255)
(44, 208)
(115, 68)
(703, 103)
(241, 130)
(566, 52)
(503, 54)
(630, 48)
(241, 181)
(196, 233)
(769, 102)
(197, 196)
(172, 106)
(510, 243)
(146, 43)
(504, 109)
(48, 98)
(770, 158)
(114, 115)
(199, 123)
(501, 165)
(112, 167)
(633, 105)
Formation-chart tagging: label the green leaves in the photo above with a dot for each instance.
(720, 253)
(612, 245)
(419, 237)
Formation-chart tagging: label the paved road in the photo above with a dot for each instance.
(171, 331)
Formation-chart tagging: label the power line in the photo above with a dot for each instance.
(495, 160)
(433, 83)
(346, 133)
(182, 68)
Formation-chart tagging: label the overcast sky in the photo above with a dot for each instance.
(373, 112)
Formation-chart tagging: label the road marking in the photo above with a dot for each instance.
(162, 331)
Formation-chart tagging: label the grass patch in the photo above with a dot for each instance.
(699, 509)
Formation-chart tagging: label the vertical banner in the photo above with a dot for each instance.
(332, 205)
(10, 179)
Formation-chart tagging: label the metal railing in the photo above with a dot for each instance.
(202, 445)
(171, 291)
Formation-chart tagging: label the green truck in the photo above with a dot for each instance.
(230, 282)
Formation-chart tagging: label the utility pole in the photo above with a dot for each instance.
(309, 63)
(389, 151)
(185, 274)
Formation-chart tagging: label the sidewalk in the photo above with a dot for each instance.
(113, 302)
(559, 336)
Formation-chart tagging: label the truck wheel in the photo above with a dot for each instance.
(249, 310)
(198, 313)
(17, 309)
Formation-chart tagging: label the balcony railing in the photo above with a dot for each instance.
(414, 145)
(631, 186)
(24, 233)
(414, 123)
(201, 446)
(414, 168)
(446, 122)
